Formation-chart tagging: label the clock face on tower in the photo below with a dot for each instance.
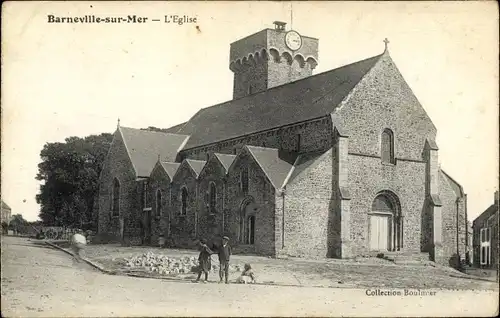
(293, 40)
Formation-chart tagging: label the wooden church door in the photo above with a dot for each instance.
(379, 232)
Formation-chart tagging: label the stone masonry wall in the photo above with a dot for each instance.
(307, 211)
(261, 193)
(286, 71)
(367, 177)
(183, 227)
(211, 223)
(383, 100)
(118, 165)
(253, 75)
(159, 180)
(453, 223)
(315, 135)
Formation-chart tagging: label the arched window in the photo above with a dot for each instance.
(184, 198)
(297, 145)
(115, 208)
(250, 239)
(212, 197)
(159, 211)
(244, 180)
(382, 204)
(387, 146)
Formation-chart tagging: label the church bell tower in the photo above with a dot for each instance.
(270, 58)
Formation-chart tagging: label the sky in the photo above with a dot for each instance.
(61, 80)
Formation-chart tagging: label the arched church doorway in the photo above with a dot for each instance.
(385, 223)
(247, 222)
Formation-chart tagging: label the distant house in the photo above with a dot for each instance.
(485, 237)
(6, 213)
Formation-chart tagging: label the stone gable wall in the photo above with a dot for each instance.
(159, 180)
(261, 192)
(118, 165)
(383, 100)
(211, 225)
(307, 211)
(183, 227)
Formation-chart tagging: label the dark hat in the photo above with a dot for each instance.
(225, 238)
(203, 241)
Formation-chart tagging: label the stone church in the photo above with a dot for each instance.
(338, 164)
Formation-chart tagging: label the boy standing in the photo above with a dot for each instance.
(224, 255)
(204, 260)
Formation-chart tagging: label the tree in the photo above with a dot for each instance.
(18, 224)
(152, 128)
(5, 227)
(69, 175)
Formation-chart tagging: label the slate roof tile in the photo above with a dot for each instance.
(302, 100)
(170, 168)
(196, 165)
(275, 164)
(144, 146)
(226, 160)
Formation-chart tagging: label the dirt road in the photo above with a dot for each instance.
(40, 281)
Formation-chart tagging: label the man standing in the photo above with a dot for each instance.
(224, 255)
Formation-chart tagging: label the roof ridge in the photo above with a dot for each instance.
(453, 180)
(195, 160)
(152, 131)
(265, 170)
(262, 168)
(224, 154)
(344, 100)
(260, 147)
(128, 151)
(292, 169)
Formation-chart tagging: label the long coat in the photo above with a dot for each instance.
(205, 259)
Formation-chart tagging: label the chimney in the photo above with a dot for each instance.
(280, 26)
(496, 197)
